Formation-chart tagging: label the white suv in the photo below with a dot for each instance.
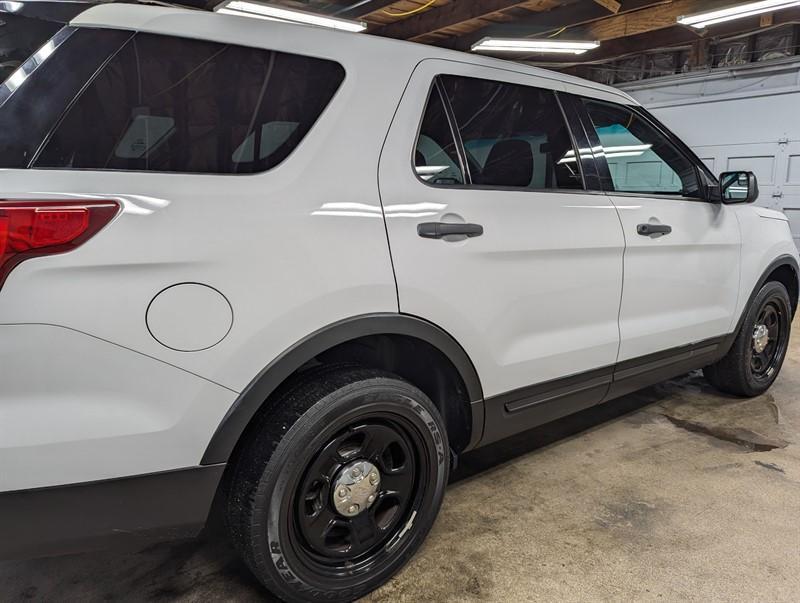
(302, 271)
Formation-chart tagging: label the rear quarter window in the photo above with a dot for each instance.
(34, 96)
(166, 104)
(20, 37)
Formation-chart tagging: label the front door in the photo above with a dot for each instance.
(495, 240)
(682, 252)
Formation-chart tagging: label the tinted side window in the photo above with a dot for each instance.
(177, 105)
(20, 37)
(513, 135)
(641, 159)
(436, 156)
(35, 97)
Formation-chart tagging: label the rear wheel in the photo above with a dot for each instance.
(758, 352)
(337, 487)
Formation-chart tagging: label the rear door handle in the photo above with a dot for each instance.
(650, 229)
(437, 230)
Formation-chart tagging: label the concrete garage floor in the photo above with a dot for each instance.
(674, 493)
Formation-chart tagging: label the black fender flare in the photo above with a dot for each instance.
(256, 393)
(783, 260)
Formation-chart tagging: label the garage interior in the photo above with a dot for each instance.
(673, 493)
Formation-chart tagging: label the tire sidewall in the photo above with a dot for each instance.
(771, 290)
(272, 549)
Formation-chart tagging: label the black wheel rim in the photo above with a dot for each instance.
(770, 335)
(333, 544)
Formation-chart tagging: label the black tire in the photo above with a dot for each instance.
(745, 371)
(281, 511)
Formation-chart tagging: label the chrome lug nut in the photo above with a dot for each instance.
(355, 487)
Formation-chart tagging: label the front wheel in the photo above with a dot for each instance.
(337, 487)
(758, 352)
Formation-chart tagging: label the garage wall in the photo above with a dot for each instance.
(743, 118)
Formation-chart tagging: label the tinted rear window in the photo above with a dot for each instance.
(169, 104)
(33, 99)
(20, 37)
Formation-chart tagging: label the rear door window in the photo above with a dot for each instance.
(168, 104)
(436, 158)
(513, 135)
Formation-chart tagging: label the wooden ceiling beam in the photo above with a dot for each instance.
(444, 17)
(611, 5)
(645, 20)
(359, 10)
(641, 21)
(676, 36)
(569, 15)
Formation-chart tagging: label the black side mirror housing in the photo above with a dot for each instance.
(738, 187)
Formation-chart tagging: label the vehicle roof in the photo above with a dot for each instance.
(262, 33)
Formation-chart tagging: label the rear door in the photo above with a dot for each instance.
(530, 281)
(682, 252)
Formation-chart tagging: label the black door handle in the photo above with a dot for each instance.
(650, 229)
(437, 230)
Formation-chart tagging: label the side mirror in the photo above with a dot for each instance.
(738, 187)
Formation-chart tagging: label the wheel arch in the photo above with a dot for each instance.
(783, 269)
(788, 274)
(406, 343)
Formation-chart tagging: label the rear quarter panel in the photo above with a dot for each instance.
(293, 249)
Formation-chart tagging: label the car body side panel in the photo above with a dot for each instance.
(680, 288)
(74, 408)
(765, 236)
(293, 249)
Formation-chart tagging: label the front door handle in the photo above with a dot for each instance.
(438, 230)
(650, 229)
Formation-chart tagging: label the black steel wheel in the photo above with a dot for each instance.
(757, 354)
(337, 486)
(770, 338)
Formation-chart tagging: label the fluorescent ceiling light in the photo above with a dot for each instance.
(713, 17)
(531, 45)
(245, 8)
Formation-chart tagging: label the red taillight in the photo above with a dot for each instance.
(36, 228)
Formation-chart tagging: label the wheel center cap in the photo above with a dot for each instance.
(356, 488)
(760, 338)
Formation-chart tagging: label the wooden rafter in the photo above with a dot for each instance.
(678, 36)
(354, 9)
(569, 15)
(444, 17)
(646, 20)
(611, 5)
